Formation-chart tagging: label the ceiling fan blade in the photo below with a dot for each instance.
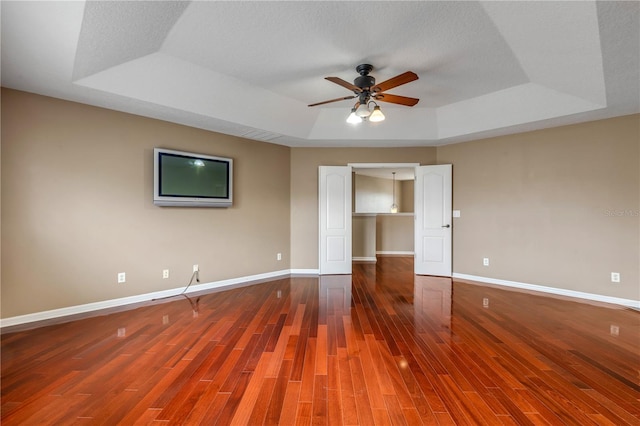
(333, 100)
(395, 99)
(343, 83)
(396, 81)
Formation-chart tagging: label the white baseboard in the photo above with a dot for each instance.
(553, 290)
(394, 253)
(364, 259)
(147, 297)
(305, 271)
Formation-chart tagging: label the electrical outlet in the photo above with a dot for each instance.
(165, 273)
(614, 330)
(485, 261)
(122, 277)
(615, 277)
(196, 268)
(485, 302)
(279, 256)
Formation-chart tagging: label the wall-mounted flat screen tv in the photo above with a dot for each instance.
(193, 180)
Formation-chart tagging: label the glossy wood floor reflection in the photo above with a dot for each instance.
(380, 348)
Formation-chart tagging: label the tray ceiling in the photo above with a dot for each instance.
(250, 68)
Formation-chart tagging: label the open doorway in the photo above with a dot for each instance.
(383, 211)
(432, 218)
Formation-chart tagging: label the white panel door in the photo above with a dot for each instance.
(335, 219)
(433, 220)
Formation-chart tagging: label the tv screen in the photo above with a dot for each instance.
(189, 179)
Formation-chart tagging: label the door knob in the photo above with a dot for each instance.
(446, 226)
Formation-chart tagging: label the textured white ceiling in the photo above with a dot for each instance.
(250, 68)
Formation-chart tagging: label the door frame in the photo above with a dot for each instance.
(384, 165)
(355, 166)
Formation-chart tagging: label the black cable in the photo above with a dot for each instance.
(195, 274)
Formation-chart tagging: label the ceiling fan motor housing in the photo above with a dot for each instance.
(365, 81)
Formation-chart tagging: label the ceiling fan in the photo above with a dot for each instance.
(367, 91)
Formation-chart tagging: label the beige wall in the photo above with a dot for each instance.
(304, 189)
(77, 207)
(406, 196)
(394, 233)
(386, 233)
(556, 207)
(363, 236)
(375, 195)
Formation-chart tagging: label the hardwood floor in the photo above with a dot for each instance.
(381, 347)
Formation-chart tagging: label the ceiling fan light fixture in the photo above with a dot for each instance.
(353, 118)
(366, 90)
(363, 111)
(376, 115)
